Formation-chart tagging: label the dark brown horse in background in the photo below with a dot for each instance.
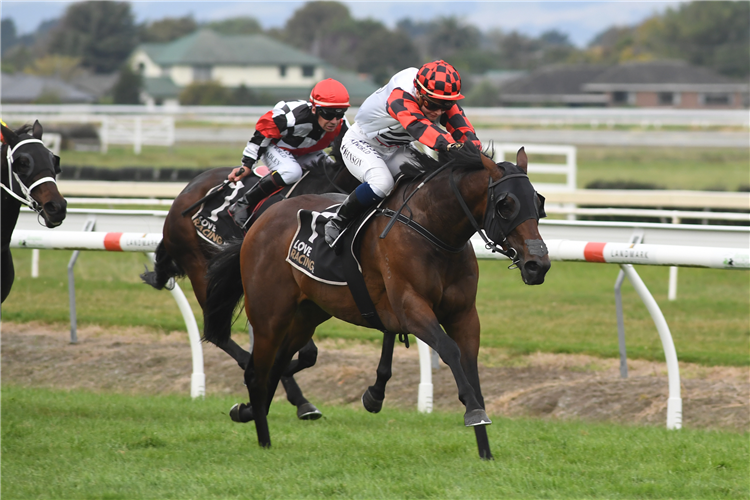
(28, 178)
(183, 253)
(418, 287)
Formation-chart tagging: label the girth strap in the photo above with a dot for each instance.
(356, 282)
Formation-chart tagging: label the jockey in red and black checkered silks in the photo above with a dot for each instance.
(417, 104)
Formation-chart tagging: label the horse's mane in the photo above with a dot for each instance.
(466, 158)
(24, 129)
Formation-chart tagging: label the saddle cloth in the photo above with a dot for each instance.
(212, 221)
(309, 252)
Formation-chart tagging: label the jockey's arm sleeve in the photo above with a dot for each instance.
(404, 107)
(459, 126)
(266, 133)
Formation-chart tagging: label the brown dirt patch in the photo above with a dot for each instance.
(552, 386)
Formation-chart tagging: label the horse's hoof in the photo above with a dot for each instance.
(476, 417)
(370, 403)
(307, 411)
(241, 413)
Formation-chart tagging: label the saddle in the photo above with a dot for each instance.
(311, 255)
(212, 221)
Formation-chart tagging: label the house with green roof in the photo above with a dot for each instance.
(258, 62)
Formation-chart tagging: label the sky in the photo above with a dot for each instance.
(581, 21)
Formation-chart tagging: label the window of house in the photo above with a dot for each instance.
(201, 73)
(141, 68)
(717, 99)
(620, 97)
(282, 71)
(665, 98)
(308, 71)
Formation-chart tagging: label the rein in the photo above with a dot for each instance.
(27, 199)
(331, 181)
(421, 184)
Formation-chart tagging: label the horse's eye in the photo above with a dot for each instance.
(505, 207)
(23, 164)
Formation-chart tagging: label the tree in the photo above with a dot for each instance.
(102, 34)
(313, 21)
(237, 26)
(167, 29)
(384, 53)
(128, 88)
(713, 34)
(63, 67)
(8, 36)
(448, 36)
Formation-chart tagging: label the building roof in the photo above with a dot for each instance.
(206, 47)
(24, 88)
(662, 75)
(161, 87)
(95, 84)
(556, 83)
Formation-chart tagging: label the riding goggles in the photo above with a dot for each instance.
(331, 113)
(435, 104)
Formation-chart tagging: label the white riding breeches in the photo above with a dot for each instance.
(289, 166)
(373, 163)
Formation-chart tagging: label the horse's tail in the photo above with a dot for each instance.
(165, 268)
(223, 292)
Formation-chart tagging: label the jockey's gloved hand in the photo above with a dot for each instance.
(238, 173)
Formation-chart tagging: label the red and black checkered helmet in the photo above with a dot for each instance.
(439, 80)
(330, 93)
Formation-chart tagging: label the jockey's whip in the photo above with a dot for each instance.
(210, 195)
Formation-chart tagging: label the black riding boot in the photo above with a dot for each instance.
(347, 212)
(241, 210)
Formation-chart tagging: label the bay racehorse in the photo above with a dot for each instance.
(29, 170)
(422, 282)
(182, 252)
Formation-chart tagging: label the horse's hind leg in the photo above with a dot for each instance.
(373, 397)
(307, 357)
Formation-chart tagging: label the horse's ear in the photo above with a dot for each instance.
(522, 160)
(37, 130)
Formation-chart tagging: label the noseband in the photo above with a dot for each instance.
(26, 191)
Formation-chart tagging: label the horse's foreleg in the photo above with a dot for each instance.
(422, 322)
(462, 331)
(374, 396)
(306, 358)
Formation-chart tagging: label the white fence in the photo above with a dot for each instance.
(136, 130)
(623, 254)
(530, 116)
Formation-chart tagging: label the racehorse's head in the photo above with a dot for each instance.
(512, 216)
(29, 169)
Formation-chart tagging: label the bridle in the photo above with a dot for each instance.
(26, 199)
(489, 213)
(489, 216)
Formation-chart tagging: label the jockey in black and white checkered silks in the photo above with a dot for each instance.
(291, 137)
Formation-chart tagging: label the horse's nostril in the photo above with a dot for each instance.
(53, 207)
(531, 266)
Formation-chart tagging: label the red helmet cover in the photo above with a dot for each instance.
(330, 93)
